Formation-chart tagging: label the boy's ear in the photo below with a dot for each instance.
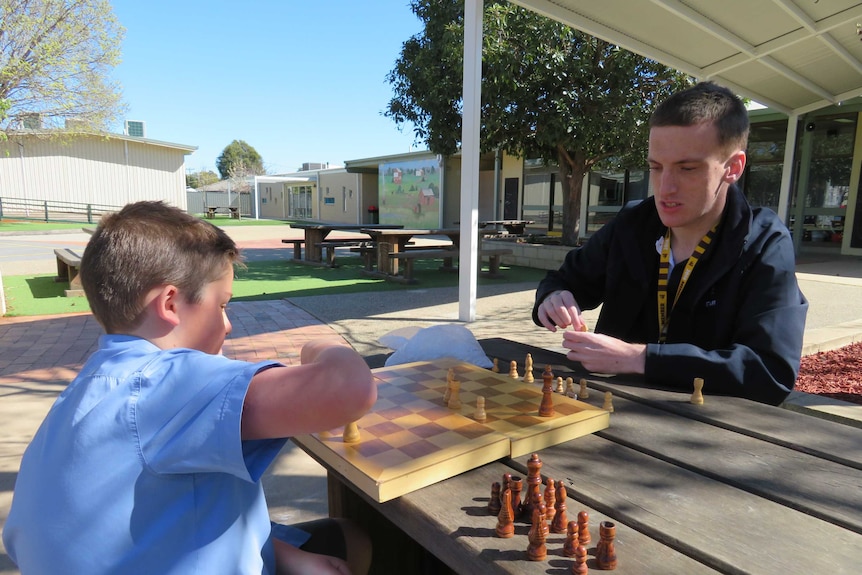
(166, 304)
(734, 167)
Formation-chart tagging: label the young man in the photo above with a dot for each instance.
(693, 282)
(150, 461)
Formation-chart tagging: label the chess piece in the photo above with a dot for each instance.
(537, 550)
(494, 501)
(570, 387)
(496, 368)
(580, 566)
(513, 370)
(571, 543)
(528, 369)
(547, 377)
(697, 396)
(584, 528)
(606, 555)
(505, 520)
(534, 480)
(608, 405)
(546, 407)
(560, 388)
(351, 433)
(584, 393)
(480, 415)
(517, 486)
(455, 395)
(550, 501)
(558, 525)
(448, 393)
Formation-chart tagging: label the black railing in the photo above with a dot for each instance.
(52, 211)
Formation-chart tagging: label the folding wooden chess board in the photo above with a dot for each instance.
(410, 439)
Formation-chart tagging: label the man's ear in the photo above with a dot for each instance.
(166, 304)
(734, 167)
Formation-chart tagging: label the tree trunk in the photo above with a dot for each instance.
(572, 170)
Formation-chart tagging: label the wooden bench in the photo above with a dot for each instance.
(297, 247)
(68, 268)
(448, 256)
(232, 210)
(331, 245)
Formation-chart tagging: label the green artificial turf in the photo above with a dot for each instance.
(263, 280)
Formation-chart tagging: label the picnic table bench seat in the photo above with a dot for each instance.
(448, 256)
(232, 210)
(68, 270)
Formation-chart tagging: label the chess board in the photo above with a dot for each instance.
(410, 439)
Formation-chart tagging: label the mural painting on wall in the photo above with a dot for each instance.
(409, 193)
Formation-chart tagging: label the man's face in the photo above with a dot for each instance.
(690, 173)
(204, 325)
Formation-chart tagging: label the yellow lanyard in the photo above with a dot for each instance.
(664, 274)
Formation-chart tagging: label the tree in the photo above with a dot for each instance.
(548, 92)
(55, 62)
(201, 178)
(239, 160)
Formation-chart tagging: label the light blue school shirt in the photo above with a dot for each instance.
(139, 468)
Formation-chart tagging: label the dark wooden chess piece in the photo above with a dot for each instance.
(546, 407)
(494, 501)
(606, 555)
(550, 501)
(505, 520)
(534, 480)
(571, 543)
(517, 485)
(584, 528)
(537, 550)
(580, 566)
(558, 525)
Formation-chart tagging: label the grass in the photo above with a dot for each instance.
(33, 226)
(262, 280)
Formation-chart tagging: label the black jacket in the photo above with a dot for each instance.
(739, 321)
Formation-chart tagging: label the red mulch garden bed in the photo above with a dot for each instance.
(836, 374)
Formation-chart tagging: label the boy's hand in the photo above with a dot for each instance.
(561, 310)
(311, 350)
(290, 560)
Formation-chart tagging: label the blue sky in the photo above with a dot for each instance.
(299, 81)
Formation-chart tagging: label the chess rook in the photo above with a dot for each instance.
(494, 501)
(606, 555)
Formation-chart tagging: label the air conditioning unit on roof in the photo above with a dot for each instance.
(136, 129)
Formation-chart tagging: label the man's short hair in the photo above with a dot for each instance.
(146, 245)
(706, 102)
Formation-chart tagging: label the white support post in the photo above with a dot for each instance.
(787, 168)
(469, 253)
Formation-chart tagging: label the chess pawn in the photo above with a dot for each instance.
(606, 555)
(584, 528)
(550, 501)
(513, 370)
(570, 388)
(608, 405)
(517, 485)
(558, 525)
(560, 385)
(351, 433)
(580, 566)
(584, 393)
(571, 543)
(697, 396)
(505, 520)
(494, 503)
(496, 368)
(480, 415)
(537, 550)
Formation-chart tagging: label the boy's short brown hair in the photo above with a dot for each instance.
(146, 245)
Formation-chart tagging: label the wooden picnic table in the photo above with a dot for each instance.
(514, 227)
(316, 234)
(395, 240)
(731, 486)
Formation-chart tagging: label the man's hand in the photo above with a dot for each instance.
(561, 310)
(600, 353)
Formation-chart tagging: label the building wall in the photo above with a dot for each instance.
(91, 170)
(339, 197)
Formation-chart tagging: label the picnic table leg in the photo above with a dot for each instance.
(383, 262)
(313, 251)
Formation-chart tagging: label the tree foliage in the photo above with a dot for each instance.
(56, 57)
(201, 178)
(548, 92)
(239, 160)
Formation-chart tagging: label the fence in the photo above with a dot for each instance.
(197, 202)
(52, 211)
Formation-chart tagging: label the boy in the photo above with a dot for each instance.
(150, 461)
(693, 281)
